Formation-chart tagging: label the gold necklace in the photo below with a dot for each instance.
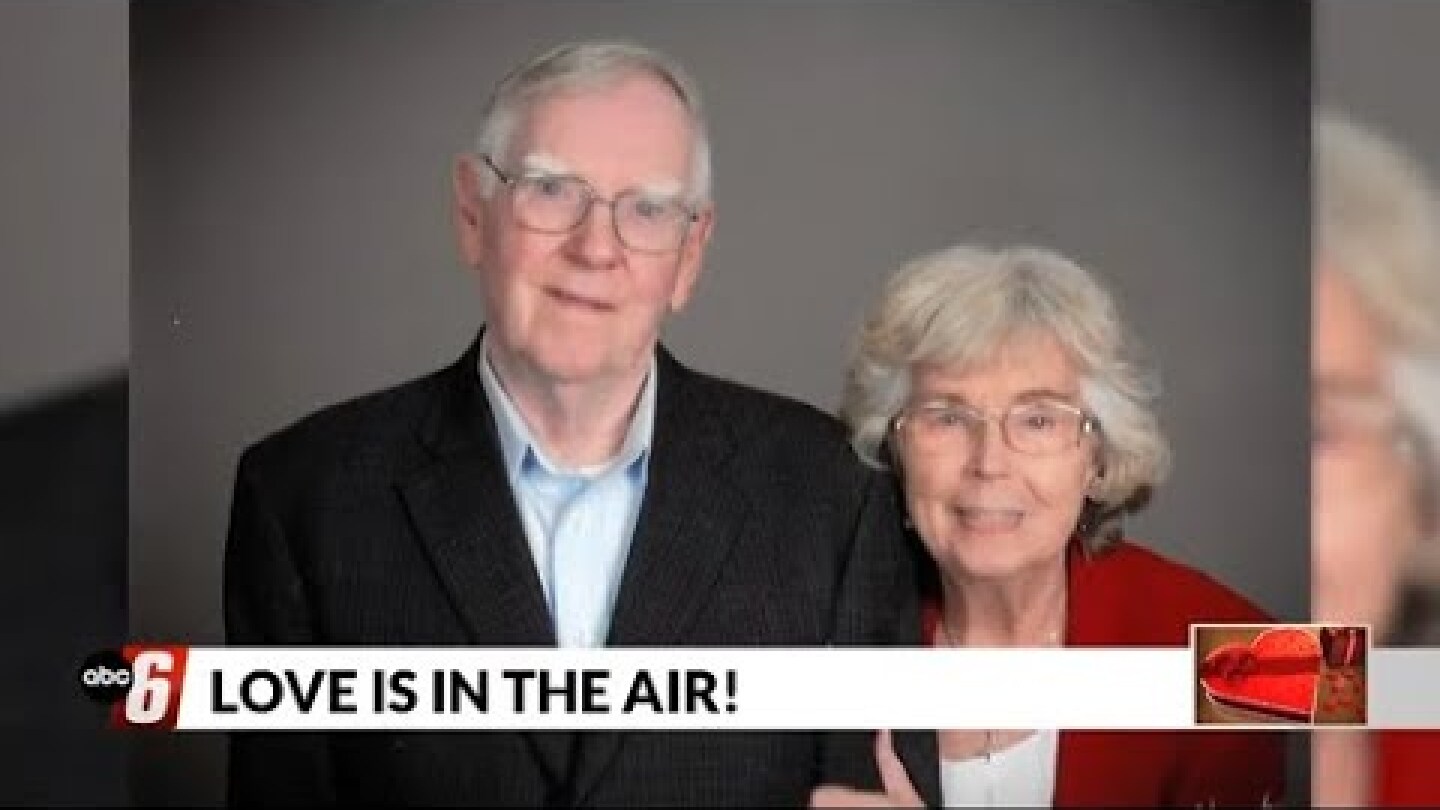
(1052, 638)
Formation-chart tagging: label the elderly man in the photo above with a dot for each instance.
(568, 482)
(1375, 359)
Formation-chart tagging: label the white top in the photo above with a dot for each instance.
(1022, 775)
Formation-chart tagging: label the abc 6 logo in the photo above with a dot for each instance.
(106, 677)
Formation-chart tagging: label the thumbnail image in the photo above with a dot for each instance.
(1280, 674)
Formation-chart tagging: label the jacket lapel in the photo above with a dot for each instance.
(465, 514)
(688, 520)
(687, 524)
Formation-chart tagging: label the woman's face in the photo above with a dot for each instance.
(1364, 512)
(983, 507)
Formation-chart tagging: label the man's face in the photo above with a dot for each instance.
(580, 307)
(1364, 510)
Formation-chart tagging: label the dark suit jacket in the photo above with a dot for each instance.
(1129, 596)
(389, 520)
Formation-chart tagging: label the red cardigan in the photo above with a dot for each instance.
(1130, 596)
(1405, 769)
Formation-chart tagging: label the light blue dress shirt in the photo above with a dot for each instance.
(578, 521)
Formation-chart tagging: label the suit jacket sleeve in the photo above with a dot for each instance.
(879, 607)
(265, 604)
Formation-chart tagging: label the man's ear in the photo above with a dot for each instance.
(692, 258)
(468, 212)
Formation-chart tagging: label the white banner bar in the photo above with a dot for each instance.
(455, 688)
(1405, 688)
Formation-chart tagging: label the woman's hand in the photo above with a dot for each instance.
(898, 790)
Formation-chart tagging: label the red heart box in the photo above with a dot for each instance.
(1275, 676)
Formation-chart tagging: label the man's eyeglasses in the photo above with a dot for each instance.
(1040, 427)
(558, 203)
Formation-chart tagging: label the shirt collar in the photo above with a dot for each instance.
(521, 450)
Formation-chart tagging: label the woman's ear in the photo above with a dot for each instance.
(891, 454)
(1097, 477)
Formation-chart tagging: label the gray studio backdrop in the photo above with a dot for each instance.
(64, 243)
(1377, 62)
(292, 236)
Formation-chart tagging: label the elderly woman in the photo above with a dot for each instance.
(998, 386)
(1376, 387)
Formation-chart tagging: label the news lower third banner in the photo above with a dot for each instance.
(1231, 676)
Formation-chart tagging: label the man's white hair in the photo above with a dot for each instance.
(579, 66)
